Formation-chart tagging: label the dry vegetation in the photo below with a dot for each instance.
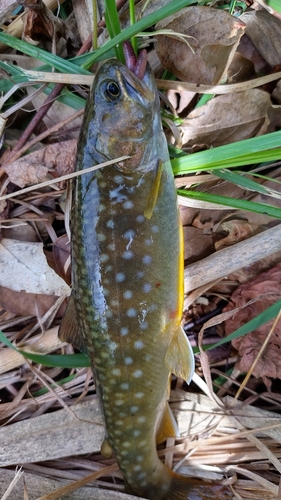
(229, 418)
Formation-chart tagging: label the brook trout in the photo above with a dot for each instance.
(126, 301)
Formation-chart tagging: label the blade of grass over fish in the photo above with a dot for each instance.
(54, 61)
(141, 25)
(113, 26)
(240, 180)
(249, 151)
(250, 206)
(78, 360)
(132, 22)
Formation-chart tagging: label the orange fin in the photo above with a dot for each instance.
(168, 426)
(153, 195)
(179, 358)
(69, 330)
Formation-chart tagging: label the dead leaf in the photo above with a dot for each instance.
(240, 69)
(248, 346)
(238, 230)
(24, 268)
(39, 21)
(276, 94)
(227, 119)
(263, 29)
(33, 168)
(25, 304)
(215, 37)
(196, 245)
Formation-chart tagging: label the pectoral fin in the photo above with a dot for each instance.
(69, 330)
(153, 195)
(168, 426)
(179, 358)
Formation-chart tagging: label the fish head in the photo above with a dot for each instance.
(124, 112)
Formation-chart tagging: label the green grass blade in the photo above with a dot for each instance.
(241, 180)
(79, 360)
(113, 26)
(249, 151)
(250, 206)
(262, 318)
(55, 61)
(141, 25)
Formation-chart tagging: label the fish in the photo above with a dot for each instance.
(127, 276)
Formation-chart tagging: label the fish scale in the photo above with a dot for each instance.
(127, 276)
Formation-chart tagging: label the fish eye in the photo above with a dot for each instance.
(112, 91)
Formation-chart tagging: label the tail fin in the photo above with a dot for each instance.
(183, 488)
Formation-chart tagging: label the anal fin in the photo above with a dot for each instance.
(179, 358)
(168, 426)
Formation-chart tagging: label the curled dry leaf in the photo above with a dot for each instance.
(38, 20)
(33, 168)
(238, 230)
(24, 268)
(263, 29)
(269, 364)
(227, 119)
(215, 36)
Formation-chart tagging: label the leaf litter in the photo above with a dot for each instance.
(223, 435)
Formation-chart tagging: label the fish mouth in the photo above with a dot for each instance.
(136, 86)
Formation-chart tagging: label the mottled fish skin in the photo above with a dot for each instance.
(127, 271)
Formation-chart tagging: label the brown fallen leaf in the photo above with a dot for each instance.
(196, 244)
(57, 158)
(227, 119)
(215, 37)
(238, 230)
(263, 29)
(248, 346)
(39, 21)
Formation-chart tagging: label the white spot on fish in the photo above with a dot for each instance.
(124, 386)
(101, 237)
(116, 372)
(109, 268)
(142, 443)
(137, 467)
(124, 453)
(118, 179)
(139, 458)
(138, 344)
(144, 325)
(148, 242)
(102, 207)
(140, 274)
(119, 422)
(139, 395)
(142, 475)
(128, 254)
(128, 360)
(131, 312)
(136, 433)
(141, 420)
(155, 229)
(126, 444)
(104, 257)
(124, 331)
(128, 204)
(137, 373)
(127, 294)
(147, 259)
(110, 224)
(119, 402)
(104, 354)
(129, 234)
(147, 357)
(134, 409)
(120, 277)
(140, 218)
(116, 196)
(147, 287)
(111, 247)
(108, 313)
(114, 303)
